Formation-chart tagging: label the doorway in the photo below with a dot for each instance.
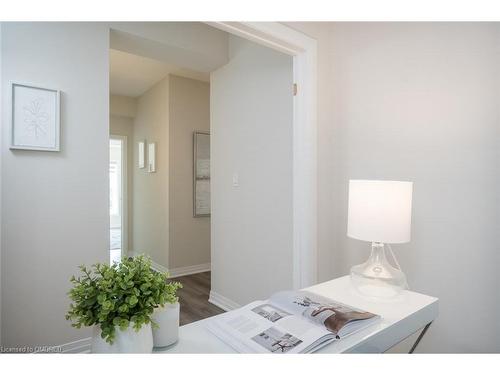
(247, 176)
(117, 197)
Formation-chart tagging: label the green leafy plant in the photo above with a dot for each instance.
(119, 295)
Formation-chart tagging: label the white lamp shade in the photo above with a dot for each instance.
(380, 211)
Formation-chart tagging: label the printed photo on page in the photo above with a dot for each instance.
(334, 316)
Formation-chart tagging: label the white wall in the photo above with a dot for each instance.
(54, 205)
(189, 110)
(420, 102)
(251, 125)
(439, 114)
(150, 199)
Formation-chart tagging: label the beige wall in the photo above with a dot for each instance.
(189, 110)
(124, 106)
(54, 204)
(124, 126)
(150, 199)
(187, 106)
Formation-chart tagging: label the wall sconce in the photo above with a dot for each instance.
(152, 157)
(141, 148)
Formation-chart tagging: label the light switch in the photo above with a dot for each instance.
(236, 182)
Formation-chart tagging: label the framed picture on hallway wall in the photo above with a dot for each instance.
(35, 118)
(201, 174)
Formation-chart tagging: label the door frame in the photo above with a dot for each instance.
(124, 192)
(303, 49)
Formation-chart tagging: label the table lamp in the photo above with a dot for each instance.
(379, 212)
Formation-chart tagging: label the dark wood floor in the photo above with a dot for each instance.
(193, 298)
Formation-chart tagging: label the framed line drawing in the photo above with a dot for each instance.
(35, 118)
(201, 174)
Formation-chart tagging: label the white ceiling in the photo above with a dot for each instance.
(132, 75)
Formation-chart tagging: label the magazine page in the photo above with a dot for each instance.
(262, 327)
(338, 318)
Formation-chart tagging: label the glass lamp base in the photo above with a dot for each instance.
(377, 277)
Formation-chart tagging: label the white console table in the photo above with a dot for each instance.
(401, 317)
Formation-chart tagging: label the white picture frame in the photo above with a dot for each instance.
(152, 157)
(141, 149)
(35, 118)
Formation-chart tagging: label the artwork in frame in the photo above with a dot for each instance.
(35, 118)
(201, 174)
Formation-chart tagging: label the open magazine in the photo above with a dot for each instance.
(289, 322)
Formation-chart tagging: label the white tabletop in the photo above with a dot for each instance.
(401, 317)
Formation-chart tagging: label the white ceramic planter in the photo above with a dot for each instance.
(167, 319)
(128, 341)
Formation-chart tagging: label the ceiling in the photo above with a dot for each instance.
(132, 75)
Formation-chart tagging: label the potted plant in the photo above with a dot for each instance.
(118, 301)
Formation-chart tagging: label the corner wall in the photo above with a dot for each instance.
(151, 190)
(54, 204)
(189, 110)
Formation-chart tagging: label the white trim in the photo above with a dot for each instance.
(220, 301)
(1, 148)
(79, 346)
(189, 270)
(303, 49)
(158, 267)
(182, 271)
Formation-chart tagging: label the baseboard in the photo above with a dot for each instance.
(220, 301)
(158, 267)
(79, 346)
(189, 270)
(182, 271)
